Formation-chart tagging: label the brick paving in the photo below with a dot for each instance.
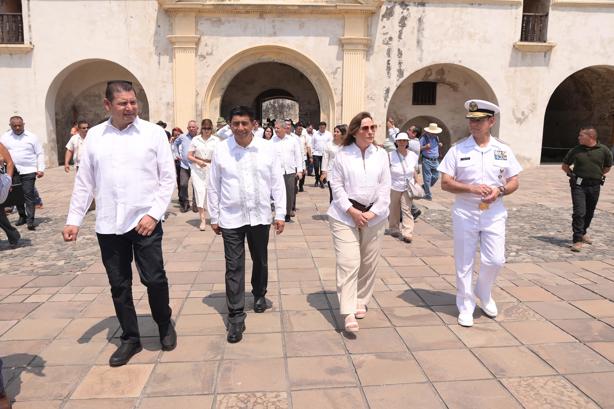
(551, 346)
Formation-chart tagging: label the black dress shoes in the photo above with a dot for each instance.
(31, 227)
(235, 332)
(21, 221)
(287, 219)
(14, 237)
(260, 304)
(417, 214)
(124, 353)
(168, 337)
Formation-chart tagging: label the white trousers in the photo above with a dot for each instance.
(357, 252)
(472, 226)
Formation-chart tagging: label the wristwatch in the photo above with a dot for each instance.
(502, 190)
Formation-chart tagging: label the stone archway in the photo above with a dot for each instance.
(263, 81)
(454, 84)
(584, 98)
(423, 121)
(77, 93)
(222, 79)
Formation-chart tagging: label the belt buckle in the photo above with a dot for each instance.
(484, 206)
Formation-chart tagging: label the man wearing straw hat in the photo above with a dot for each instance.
(429, 147)
(480, 170)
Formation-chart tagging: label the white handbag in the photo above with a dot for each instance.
(414, 190)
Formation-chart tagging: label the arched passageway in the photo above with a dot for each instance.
(424, 121)
(249, 74)
(584, 98)
(436, 94)
(78, 92)
(278, 82)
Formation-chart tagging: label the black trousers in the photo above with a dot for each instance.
(290, 182)
(184, 187)
(584, 199)
(117, 254)
(27, 209)
(234, 253)
(330, 193)
(317, 167)
(5, 224)
(301, 181)
(178, 172)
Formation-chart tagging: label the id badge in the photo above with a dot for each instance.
(578, 181)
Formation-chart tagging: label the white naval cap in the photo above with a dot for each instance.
(478, 108)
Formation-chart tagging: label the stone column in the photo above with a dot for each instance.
(355, 43)
(185, 42)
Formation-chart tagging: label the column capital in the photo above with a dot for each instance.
(355, 43)
(183, 41)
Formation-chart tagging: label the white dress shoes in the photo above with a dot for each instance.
(489, 308)
(465, 319)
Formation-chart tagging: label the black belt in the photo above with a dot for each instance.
(435, 158)
(360, 206)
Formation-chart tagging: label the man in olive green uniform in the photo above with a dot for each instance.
(586, 166)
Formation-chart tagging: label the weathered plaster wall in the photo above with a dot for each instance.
(411, 36)
(64, 32)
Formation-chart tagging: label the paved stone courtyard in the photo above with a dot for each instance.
(551, 346)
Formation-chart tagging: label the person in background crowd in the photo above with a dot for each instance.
(176, 133)
(309, 138)
(29, 158)
(162, 125)
(245, 174)
(130, 206)
(415, 132)
(403, 164)
(357, 216)
(328, 160)
(258, 130)
(391, 131)
(268, 133)
(75, 146)
(200, 154)
(479, 170)
(318, 143)
(182, 144)
(586, 165)
(429, 146)
(8, 167)
(290, 161)
(74, 128)
(299, 131)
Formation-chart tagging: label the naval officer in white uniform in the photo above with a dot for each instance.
(479, 170)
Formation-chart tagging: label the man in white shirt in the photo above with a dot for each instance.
(244, 176)
(182, 144)
(74, 147)
(299, 131)
(258, 130)
(128, 166)
(27, 153)
(7, 172)
(320, 139)
(291, 162)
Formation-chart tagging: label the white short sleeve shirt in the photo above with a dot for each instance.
(469, 163)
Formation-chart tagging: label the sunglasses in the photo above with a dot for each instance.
(206, 129)
(366, 128)
(83, 129)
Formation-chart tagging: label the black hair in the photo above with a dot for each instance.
(241, 110)
(117, 86)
